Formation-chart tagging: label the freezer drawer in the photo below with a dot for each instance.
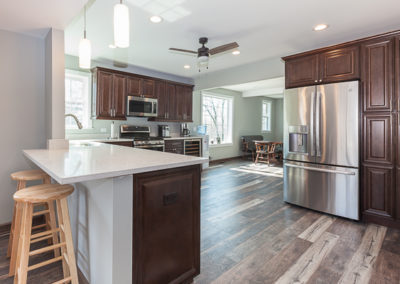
(328, 189)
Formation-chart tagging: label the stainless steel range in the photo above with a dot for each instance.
(141, 137)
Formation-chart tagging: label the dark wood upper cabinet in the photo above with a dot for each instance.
(149, 88)
(162, 99)
(166, 251)
(119, 103)
(172, 105)
(378, 139)
(301, 71)
(104, 97)
(187, 103)
(340, 65)
(378, 67)
(379, 193)
(134, 86)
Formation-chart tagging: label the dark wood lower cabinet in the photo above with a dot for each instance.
(166, 226)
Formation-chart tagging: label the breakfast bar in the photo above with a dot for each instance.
(135, 213)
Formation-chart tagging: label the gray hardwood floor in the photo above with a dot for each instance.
(249, 235)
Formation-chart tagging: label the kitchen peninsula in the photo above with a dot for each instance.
(135, 213)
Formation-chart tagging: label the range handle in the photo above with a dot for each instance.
(349, 173)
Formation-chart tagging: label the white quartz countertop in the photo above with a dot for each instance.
(183, 137)
(85, 161)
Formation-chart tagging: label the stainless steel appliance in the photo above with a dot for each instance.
(163, 131)
(141, 137)
(185, 130)
(321, 148)
(142, 107)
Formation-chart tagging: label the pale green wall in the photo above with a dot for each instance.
(246, 121)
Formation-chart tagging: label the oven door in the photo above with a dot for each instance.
(142, 107)
(151, 147)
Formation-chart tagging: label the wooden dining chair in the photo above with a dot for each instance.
(265, 152)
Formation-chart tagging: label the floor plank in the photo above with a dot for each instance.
(317, 229)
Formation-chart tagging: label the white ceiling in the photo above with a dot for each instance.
(35, 17)
(272, 88)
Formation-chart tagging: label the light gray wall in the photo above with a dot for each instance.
(72, 63)
(246, 121)
(22, 109)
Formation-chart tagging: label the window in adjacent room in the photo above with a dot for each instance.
(77, 98)
(266, 116)
(217, 115)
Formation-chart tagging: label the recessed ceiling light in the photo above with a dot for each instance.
(320, 27)
(186, 66)
(236, 52)
(112, 46)
(156, 19)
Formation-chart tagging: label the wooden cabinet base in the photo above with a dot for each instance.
(384, 221)
(166, 226)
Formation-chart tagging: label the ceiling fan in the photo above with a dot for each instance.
(203, 53)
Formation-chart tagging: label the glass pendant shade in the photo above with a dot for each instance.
(85, 53)
(202, 61)
(121, 26)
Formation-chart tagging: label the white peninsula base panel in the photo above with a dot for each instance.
(101, 220)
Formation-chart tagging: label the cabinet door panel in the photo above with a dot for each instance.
(397, 74)
(162, 99)
(188, 104)
(104, 102)
(340, 65)
(148, 88)
(134, 86)
(378, 139)
(180, 102)
(301, 71)
(378, 191)
(119, 82)
(172, 103)
(166, 242)
(377, 59)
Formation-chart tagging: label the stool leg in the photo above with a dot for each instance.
(53, 226)
(20, 185)
(68, 239)
(62, 238)
(24, 245)
(15, 240)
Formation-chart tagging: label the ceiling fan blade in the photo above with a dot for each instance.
(224, 48)
(183, 51)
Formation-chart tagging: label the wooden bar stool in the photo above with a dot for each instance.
(22, 178)
(26, 199)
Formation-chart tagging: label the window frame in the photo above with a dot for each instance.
(231, 123)
(269, 102)
(88, 75)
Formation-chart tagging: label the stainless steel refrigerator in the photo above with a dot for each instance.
(321, 148)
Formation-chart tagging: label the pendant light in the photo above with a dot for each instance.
(85, 48)
(121, 25)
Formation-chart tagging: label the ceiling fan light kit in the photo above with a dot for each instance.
(121, 25)
(204, 53)
(85, 47)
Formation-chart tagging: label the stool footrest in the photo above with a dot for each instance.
(41, 239)
(44, 263)
(42, 250)
(65, 280)
(39, 226)
(49, 232)
(41, 212)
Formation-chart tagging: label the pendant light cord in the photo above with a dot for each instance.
(84, 22)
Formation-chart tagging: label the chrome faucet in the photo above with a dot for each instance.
(76, 119)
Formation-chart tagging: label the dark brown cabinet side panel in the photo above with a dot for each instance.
(301, 71)
(377, 77)
(119, 82)
(397, 74)
(188, 104)
(104, 96)
(340, 64)
(378, 139)
(148, 88)
(166, 235)
(379, 193)
(180, 102)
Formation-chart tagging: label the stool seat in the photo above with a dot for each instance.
(43, 192)
(29, 175)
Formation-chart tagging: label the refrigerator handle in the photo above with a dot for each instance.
(312, 124)
(315, 169)
(318, 125)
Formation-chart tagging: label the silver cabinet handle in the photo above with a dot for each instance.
(320, 80)
(312, 124)
(320, 170)
(318, 125)
(316, 81)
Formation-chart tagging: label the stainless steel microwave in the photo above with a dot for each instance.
(144, 107)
